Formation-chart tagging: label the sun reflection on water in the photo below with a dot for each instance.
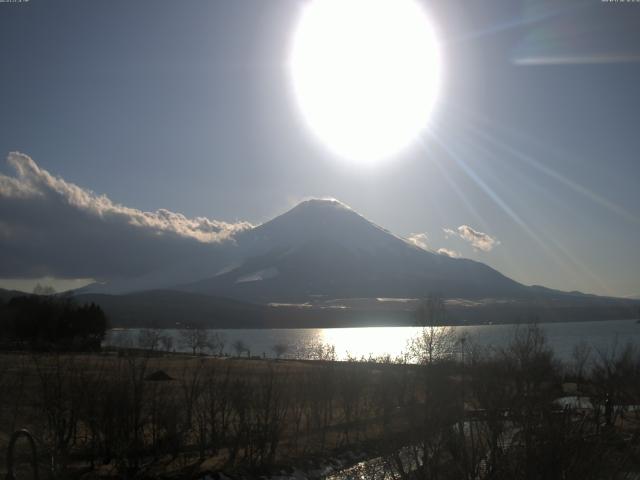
(366, 342)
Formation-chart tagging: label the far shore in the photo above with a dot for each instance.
(373, 324)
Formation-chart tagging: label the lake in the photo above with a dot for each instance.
(382, 341)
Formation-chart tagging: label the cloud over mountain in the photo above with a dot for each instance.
(449, 253)
(420, 240)
(478, 240)
(49, 226)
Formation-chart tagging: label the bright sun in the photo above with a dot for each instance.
(365, 74)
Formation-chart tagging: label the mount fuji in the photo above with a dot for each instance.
(321, 264)
(324, 249)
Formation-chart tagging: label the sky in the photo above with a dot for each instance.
(180, 116)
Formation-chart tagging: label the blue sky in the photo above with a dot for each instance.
(187, 106)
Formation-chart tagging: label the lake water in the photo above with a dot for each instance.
(392, 341)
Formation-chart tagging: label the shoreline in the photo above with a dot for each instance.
(376, 325)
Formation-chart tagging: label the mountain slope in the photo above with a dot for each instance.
(323, 248)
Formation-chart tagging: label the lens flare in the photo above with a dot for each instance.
(365, 74)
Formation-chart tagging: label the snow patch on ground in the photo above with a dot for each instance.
(297, 305)
(264, 274)
(398, 300)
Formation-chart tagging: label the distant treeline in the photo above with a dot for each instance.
(51, 322)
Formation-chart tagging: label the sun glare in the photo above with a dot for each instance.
(365, 74)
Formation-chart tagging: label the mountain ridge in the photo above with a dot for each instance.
(322, 264)
(323, 247)
(176, 309)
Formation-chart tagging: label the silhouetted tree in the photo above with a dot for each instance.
(435, 340)
(240, 347)
(280, 349)
(195, 338)
(216, 343)
(167, 342)
(149, 339)
(43, 290)
(52, 322)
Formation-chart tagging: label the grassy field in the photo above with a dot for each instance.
(109, 413)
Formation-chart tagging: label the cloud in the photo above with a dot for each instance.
(478, 240)
(420, 240)
(49, 226)
(449, 253)
(33, 182)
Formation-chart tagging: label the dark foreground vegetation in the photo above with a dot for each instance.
(51, 322)
(460, 413)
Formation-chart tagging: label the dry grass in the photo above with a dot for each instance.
(284, 397)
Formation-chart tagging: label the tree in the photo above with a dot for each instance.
(216, 343)
(45, 322)
(167, 342)
(615, 378)
(43, 290)
(149, 339)
(434, 341)
(196, 339)
(280, 349)
(580, 356)
(239, 347)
